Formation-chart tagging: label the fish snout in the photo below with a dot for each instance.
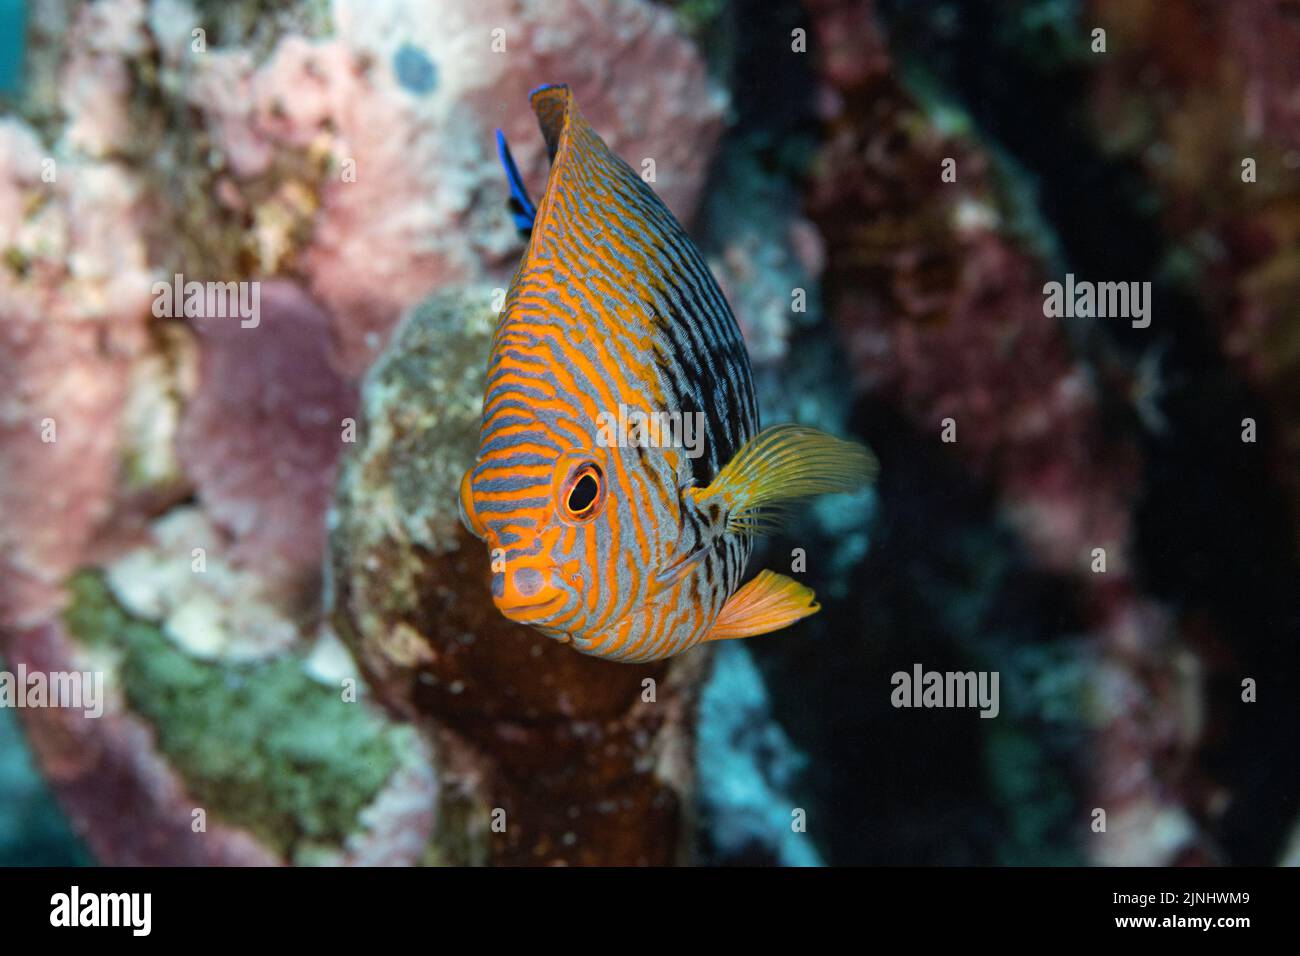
(522, 587)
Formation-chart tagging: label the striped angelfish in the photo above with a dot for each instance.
(621, 473)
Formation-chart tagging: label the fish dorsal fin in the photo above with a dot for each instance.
(769, 602)
(552, 103)
(609, 263)
(589, 182)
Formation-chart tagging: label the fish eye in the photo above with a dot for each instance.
(583, 493)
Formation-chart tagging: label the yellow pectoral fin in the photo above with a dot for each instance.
(780, 465)
(769, 602)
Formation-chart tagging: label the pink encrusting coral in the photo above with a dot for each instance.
(403, 100)
(341, 160)
(96, 79)
(262, 434)
(74, 297)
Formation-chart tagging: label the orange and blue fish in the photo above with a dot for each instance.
(627, 548)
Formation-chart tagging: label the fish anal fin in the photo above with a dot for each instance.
(769, 602)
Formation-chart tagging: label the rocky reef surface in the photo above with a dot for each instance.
(544, 755)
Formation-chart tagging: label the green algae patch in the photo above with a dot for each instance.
(260, 745)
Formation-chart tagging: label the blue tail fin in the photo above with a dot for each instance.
(521, 207)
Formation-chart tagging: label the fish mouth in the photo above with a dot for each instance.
(539, 604)
(536, 614)
(520, 593)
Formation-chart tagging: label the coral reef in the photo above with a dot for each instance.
(262, 746)
(74, 294)
(340, 157)
(262, 432)
(29, 833)
(409, 142)
(250, 527)
(939, 303)
(747, 767)
(1220, 149)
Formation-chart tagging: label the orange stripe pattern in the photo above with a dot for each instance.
(612, 307)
